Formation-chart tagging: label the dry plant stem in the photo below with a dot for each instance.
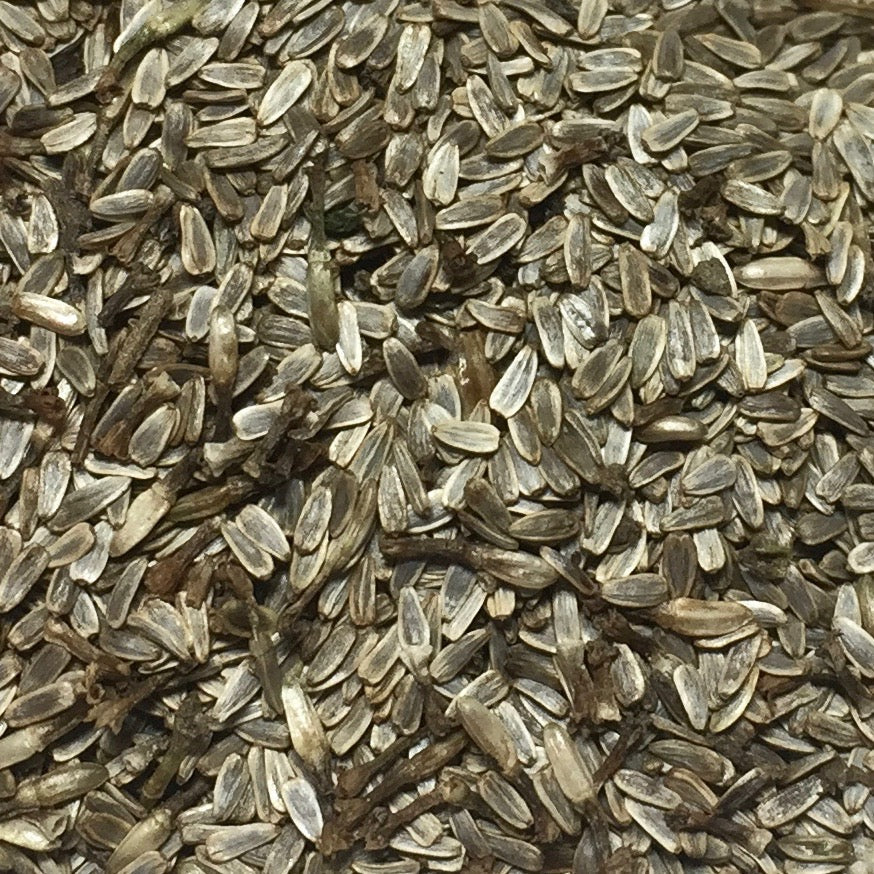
(120, 363)
(167, 575)
(211, 500)
(321, 298)
(160, 25)
(18, 147)
(60, 633)
(190, 737)
(138, 280)
(352, 781)
(423, 764)
(452, 791)
(264, 655)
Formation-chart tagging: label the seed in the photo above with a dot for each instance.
(284, 91)
(452, 416)
(512, 391)
(49, 313)
(778, 274)
(789, 803)
(198, 251)
(478, 438)
(669, 133)
(638, 590)
(702, 618)
(570, 769)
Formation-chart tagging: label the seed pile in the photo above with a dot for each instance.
(436, 437)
